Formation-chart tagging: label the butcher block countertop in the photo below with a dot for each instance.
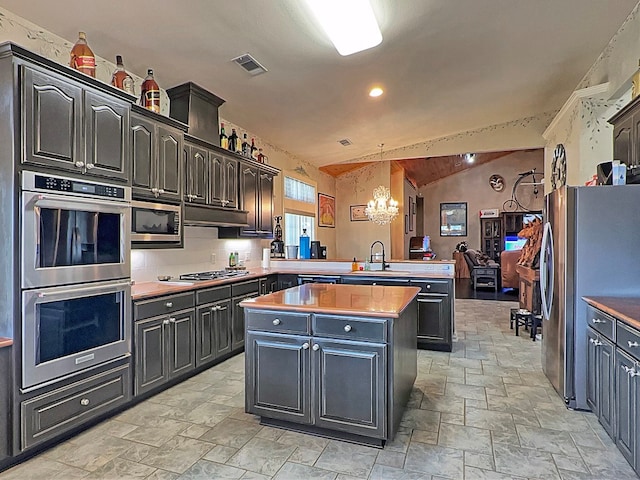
(5, 342)
(338, 299)
(626, 309)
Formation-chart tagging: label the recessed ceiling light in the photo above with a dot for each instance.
(376, 92)
(351, 25)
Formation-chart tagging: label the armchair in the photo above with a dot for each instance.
(484, 271)
(508, 261)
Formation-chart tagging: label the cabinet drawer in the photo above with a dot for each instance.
(163, 305)
(278, 322)
(486, 271)
(351, 328)
(52, 413)
(211, 295)
(431, 286)
(628, 339)
(601, 322)
(242, 288)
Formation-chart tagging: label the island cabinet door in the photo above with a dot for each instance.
(350, 386)
(626, 401)
(434, 323)
(278, 376)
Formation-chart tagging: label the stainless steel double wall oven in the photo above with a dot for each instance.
(75, 275)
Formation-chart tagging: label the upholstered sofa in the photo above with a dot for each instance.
(508, 261)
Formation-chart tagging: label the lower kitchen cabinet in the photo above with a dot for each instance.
(627, 408)
(164, 342)
(600, 379)
(286, 281)
(213, 329)
(5, 402)
(237, 322)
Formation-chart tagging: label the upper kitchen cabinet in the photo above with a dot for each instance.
(626, 133)
(223, 180)
(74, 127)
(156, 157)
(256, 191)
(195, 167)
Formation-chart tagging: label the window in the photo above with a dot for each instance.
(294, 224)
(298, 190)
(299, 208)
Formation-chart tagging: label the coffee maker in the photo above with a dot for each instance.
(277, 245)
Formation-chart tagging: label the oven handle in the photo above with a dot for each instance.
(66, 291)
(40, 200)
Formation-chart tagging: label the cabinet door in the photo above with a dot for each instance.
(606, 385)
(216, 179)
(592, 370)
(181, 344)
(169, 170)
(195, 175)
(249, 193)
(205, 351)
(52, 112)
(150, 364)
(237, 322)
(106, 124)
(626, 399)
(265, 199)
(622, 146)
(350, 381)
(142, 154)
(222, 328)
(434, 324)
(230, 197)
(277, 376)
(635, 142)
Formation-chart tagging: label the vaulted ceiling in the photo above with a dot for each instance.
(446, 66)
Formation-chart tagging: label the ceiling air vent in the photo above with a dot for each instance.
(345, 142)
(250, 64)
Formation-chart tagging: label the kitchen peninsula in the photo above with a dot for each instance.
(330, 359)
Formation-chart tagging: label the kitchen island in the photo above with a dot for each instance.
(331, 359)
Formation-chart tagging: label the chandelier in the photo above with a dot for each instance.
(382, 209)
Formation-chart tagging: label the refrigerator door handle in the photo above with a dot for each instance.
(546, 269)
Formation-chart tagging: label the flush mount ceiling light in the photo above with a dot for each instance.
(376, 92)
(350, 24)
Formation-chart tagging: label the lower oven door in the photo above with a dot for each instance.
(68, 329)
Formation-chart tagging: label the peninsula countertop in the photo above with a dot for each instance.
(338, 299)
(626, 309)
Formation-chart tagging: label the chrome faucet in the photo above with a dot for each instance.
(385, 265)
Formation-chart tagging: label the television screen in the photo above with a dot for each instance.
(514, 243)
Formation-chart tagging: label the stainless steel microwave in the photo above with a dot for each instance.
(155, 222)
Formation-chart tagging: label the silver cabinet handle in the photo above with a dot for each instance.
(315, 347)
(160, 191)
(428, 287)
(305, 346)
(221, 308)
(84, 402)
(172, 319)
(79, 164)
(90, 166)
(277, 321)
(168, 304)
(596, 342)
(374, 283)
(347, 328)
(596, 320)
(632, 344)
(165, 321)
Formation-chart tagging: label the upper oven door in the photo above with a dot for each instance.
(67, 239)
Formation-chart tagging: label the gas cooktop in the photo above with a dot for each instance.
(213, 275)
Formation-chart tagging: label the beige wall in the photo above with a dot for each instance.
(472, 186)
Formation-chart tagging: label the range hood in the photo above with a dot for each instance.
(203, 216)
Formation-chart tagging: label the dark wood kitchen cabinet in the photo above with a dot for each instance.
(256, 190)
(156, 157)
(626, 133)
(600, 378)
(195, 174)
(164, 334)
(73, 127)
(223, 180)
(5, 402)
(242, 291)
(213, 327)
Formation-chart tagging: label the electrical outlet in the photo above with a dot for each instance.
(247, 256)
(213, 258)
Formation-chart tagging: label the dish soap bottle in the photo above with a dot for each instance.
(305, 245)
(354, 265)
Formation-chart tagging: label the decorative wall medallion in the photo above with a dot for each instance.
(558, 167)
(497, 182)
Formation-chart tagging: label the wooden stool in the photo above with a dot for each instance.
(518, 317)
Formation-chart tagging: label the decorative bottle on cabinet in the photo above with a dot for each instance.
(120, 78)
(150, 93)
(224, 140)
(305, 245)
(82, 58)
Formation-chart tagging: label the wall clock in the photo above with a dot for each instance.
(497, 182)
(559, 167)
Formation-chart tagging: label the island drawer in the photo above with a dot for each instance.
(628, 339)
(600, 321)
(211, 295)
(431, 286)
(352, 328)
(243, 288)
(52, 413)
(278, 322)
(162, 305)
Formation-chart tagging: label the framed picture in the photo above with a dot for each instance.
(326, 210)
(406, 224)
(411, 213)
(356, 213)
(453, 219)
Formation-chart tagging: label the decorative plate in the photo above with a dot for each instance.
(559, 167)
(497, 182)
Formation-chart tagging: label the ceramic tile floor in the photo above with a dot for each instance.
(484, 411)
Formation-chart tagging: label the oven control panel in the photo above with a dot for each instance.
(54, 183)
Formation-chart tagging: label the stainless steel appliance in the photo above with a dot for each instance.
(73, 230)
(67, 329)
(589, 247)
(213, 275)
(156, 223)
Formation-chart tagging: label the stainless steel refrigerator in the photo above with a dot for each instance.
(590, 247)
